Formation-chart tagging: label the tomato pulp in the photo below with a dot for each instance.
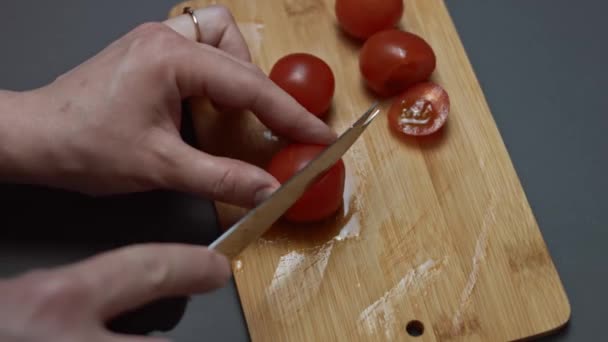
(363, 18)
(308, 79)
(392, 60)
(420, 110)
(324, 197)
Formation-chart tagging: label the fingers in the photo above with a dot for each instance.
(124, 279)
(222, 179)
(224, 75)
(217, 27)
(204, 71)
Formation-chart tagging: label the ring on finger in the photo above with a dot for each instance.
(190, 11)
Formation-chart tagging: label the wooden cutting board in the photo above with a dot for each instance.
(436, 235)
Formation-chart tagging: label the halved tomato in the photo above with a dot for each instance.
(420, 110)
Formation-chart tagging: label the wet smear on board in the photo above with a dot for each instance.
(379, 317)
(299, 274)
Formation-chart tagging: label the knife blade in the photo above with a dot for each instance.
(255, 223)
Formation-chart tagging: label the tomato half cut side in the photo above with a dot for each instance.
(362, 18)
(308, 79)
(392, 60)
(420, 110)
(324, 197)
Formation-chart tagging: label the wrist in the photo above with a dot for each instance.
(22, 142)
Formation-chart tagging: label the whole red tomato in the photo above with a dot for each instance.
(323, 198)
(363, 18)
(392, 60)
(308, 79)
(420, 110)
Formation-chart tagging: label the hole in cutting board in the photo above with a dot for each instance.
(414, 328)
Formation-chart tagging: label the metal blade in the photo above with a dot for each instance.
(259, 220)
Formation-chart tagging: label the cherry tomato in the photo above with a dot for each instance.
(308, 79)
(363, 18)
(324, 197)
(420, 110)
(392, 60)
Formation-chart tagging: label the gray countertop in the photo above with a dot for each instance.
(541, 64)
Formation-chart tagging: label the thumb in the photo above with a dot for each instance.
(218, 178)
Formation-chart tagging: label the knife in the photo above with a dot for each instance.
(255, 223)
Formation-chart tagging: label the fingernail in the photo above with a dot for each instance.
(263, 195)
(330, 136)
(334, 134)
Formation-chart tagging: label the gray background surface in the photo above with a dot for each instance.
(542, 66)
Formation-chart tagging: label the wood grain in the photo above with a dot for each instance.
(436, 230)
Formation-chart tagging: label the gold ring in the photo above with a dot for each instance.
(190, 11)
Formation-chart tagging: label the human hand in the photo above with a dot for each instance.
(74, 302)
(111, 125)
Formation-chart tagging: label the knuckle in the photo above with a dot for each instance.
(223, 13)
(52, 297)
(155, 270)
(150, 28)
(55, 290)
(163, 158)
(257, 72)
(255, 79)
(34, 275)
(225, 185)
(155, 43)
(259, 97)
